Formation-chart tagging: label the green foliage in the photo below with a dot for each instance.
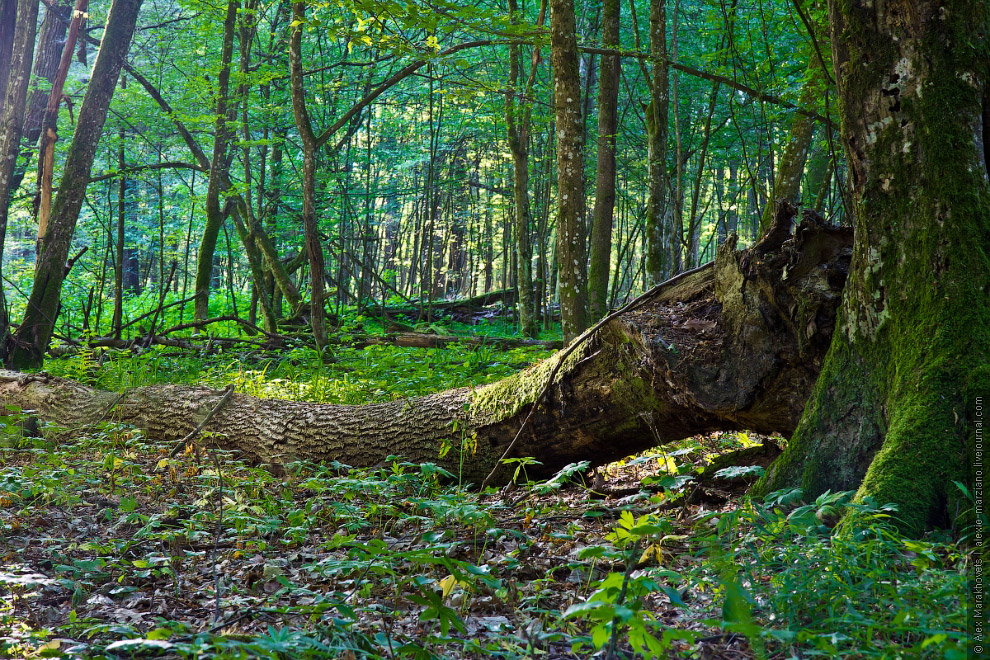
(327, 561)
(791, 578)
(348, 375)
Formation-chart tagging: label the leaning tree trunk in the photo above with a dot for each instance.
(790, 165)
(736, 344)
(31, 341)
(894, 412)
(11, 121)
(218, 168)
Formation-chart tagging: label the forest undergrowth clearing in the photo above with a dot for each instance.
(111, 548)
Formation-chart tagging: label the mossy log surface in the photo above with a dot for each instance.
(735, 345)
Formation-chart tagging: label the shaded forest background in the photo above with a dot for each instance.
(413, 191)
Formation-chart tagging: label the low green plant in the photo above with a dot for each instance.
(834, 578)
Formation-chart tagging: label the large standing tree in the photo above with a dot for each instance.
(893, 413)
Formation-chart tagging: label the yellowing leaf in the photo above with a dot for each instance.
(447, 585)
(652, 550)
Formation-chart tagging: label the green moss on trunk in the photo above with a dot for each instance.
(893, 410)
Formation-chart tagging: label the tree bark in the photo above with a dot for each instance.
(790, 165)
(29, 344)
(517, 116)
(601, 228)
(8, 26)
(659, 215)
(49, 125)
(48, 50)
(11, 121)
(314, 248)
(570, 170)
(218, 168)
(894, 413)
(736, 344)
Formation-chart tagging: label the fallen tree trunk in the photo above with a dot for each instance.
(426, 340)
(737, 344)
(460, 309)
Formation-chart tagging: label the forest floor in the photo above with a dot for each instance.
(113, 548)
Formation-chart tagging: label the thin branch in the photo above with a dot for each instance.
(167, 165)
(714, 77)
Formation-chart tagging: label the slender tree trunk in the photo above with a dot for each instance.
(244, 219)
(790, 165)
(896, 411)
(49, 132)
(695, 218)
(8, 26)
(11, 121)
(570, 170)
(517, 116)
(118, 260)
(31, 341)
(50, 37)
(659, 215)
(601, 228)
(314, 248)
(218, 169)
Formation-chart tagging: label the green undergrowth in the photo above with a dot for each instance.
(113, 549)
(341, 374)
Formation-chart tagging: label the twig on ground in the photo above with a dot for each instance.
(224, 398)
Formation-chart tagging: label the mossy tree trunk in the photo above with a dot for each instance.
(218, 168)
(567, 95)
(737, 344)
(893, 413)
(28, 346)
(600, 246)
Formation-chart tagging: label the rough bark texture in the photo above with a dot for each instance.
(735, 345)
(659, 215)
(218, 169)
(314, 248)
(894, 411)
(572, 276)
(34, 333)
(600, 249)
(517, 125)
